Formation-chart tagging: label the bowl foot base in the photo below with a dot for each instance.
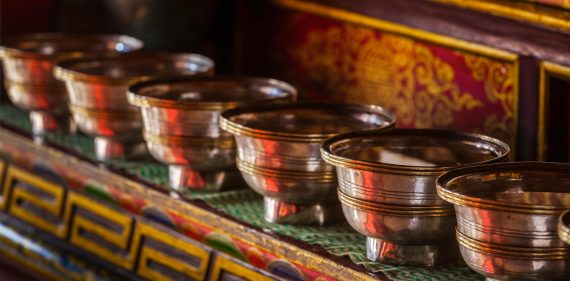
(109, 149)
(47, 122)
(321, 213)
(419, 255)
(184, 178)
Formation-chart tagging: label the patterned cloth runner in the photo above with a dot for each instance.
(246, 205)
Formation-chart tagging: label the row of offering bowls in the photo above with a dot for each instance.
(395, 186)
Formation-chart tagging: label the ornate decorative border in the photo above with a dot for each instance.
(213, 233)
(547, 70)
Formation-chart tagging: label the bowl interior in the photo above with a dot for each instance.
(55, 43)
(418, 150)
(142, 65)
(322, 120)
(214, 90)
(528, 186)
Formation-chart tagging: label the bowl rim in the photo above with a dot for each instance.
(8, 48)
(140, 100)
(240, 130)
(476, 202)
(345, 162)
(64, 69)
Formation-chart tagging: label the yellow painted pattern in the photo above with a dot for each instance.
(501, 86)
(80, 223)
(225, 263)
(14, 177)
(148, 253)
(407, 78)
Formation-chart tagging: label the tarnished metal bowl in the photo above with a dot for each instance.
(181, 121)
(29, 60)
(101, 84)
(386, 182)
(500, 262)
(279, 153)
(564, 227)
(514, 204)
(400, 166)
(288, 136)
(413, 235)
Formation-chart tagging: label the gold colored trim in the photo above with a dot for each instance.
(147, 253)
(395, 28)
(79, 223)
(54, 207)
(547, 70)
(533, 253)
(324, 176)
(225, 263)
(556, 18)
(191, 141)
(396, 210)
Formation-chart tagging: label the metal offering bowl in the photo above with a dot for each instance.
(413, 235)
(500, 262)
(181, 120)
(400, 166)
(564, 227)
(192, 107)
(407, 225)
(101, 85)
(29, 60)
(287, 137)
(279, 157)
(514, 204)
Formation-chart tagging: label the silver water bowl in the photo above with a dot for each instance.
(279, 157)
(387, 188)
(29, 60)
(508, 217)
(181, 124)
(500, 262)
(516, 204)
(101, 85)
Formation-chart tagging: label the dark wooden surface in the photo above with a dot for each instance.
(519, 37)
